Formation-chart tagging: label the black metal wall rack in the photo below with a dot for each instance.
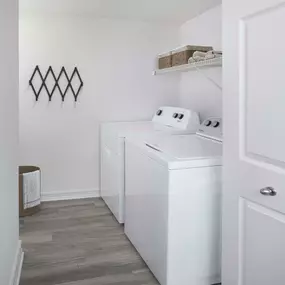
(62, 91)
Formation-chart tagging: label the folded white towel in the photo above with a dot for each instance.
(200, 56)
(31, 189)
(210, 56)
(191, 60)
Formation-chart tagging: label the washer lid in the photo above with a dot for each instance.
(139, 129)
(186, 147)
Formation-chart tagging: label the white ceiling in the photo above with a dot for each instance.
(176, 11)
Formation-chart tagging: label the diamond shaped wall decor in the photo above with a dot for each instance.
(50, 72)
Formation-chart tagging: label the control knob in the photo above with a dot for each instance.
(208, 123)
(159, 112)
(175, 115)
(181, 116)
(215, 124)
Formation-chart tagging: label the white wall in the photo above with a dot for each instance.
(9, 215)
(115, 59)
(196, 92)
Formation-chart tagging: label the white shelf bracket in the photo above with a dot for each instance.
(209, 78)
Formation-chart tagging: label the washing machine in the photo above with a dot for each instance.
(167, 121)
(173, 204)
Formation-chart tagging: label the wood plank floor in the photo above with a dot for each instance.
(79, 243)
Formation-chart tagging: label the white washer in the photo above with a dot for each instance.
(167, 120)
(173, 204)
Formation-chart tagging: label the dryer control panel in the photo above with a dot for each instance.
(212, 128)
(177, 118)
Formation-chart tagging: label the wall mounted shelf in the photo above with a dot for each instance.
(191, 66)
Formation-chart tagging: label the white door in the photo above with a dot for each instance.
(254, 148)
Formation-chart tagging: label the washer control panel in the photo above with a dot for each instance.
(179, 118)
(212, 128)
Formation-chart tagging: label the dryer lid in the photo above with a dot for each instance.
(186, 147)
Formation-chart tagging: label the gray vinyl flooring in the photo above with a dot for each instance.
(79, 243)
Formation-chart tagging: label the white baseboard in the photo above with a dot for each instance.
(70, 195)
(17, 266)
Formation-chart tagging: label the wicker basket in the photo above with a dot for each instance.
(33, 207)
(181, 56)
(164, 60)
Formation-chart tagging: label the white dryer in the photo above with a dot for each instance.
(173, 204)
(167, 120)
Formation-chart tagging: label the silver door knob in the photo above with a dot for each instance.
(268, 191)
